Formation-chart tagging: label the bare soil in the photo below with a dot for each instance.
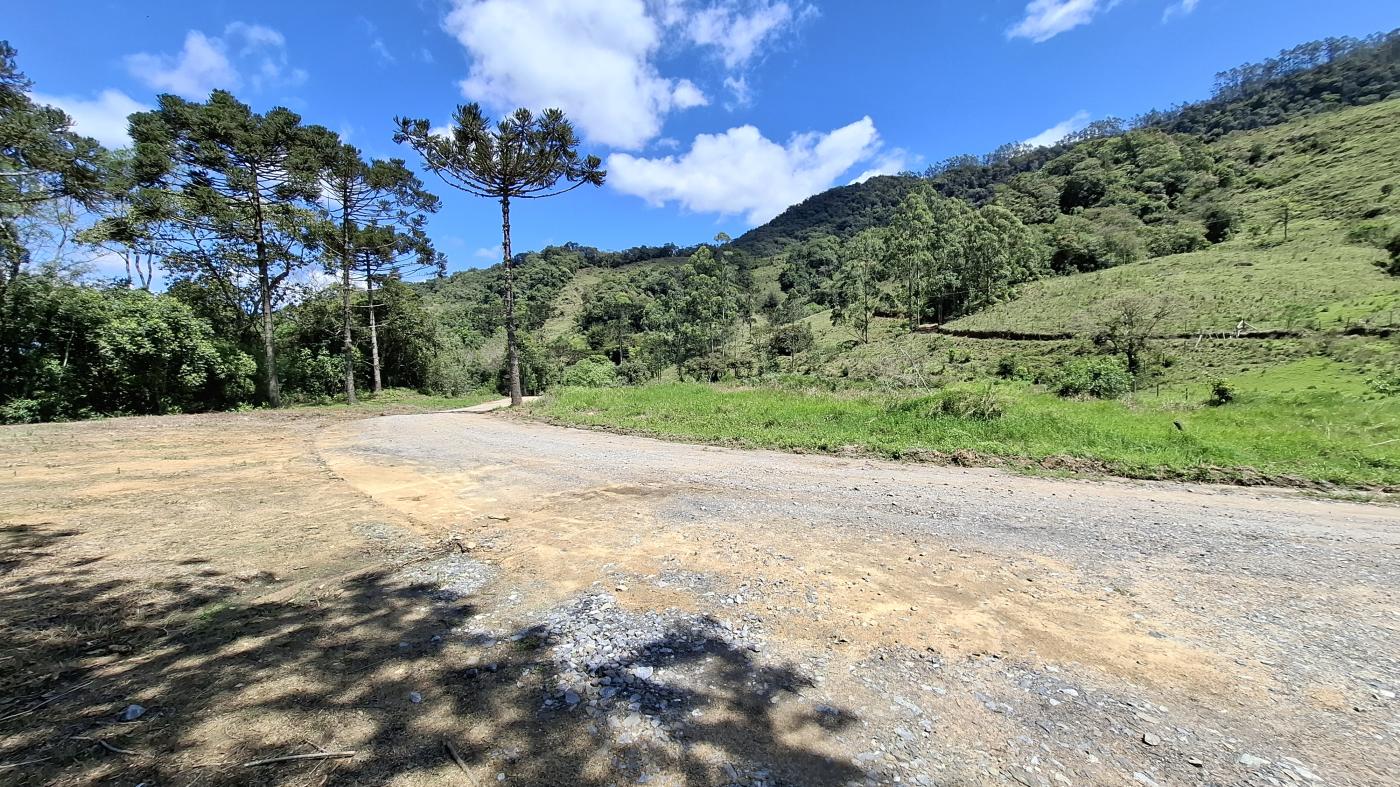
(281, 584)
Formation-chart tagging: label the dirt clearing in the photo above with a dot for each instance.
(567, 607)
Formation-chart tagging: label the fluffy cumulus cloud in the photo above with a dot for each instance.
(102, 118)
(591, 59)
(597, 59)
(1060, 130)
(246, 54)
(742, 172)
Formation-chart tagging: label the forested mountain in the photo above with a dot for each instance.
(232, 206)
(843, 211)
(1319, 76)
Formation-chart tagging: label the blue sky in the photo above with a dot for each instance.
(712, 115)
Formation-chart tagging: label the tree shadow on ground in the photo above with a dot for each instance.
(229, 671)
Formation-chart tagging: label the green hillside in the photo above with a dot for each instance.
(1332, 170)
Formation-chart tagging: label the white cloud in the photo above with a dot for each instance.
(247, 53)
(593, 60)
(889, 162)
(1045, 19)
(489, 253)
(741, 95)
(738, 32)
(597, 59)
(687, 95)
(200, 67)
(102, 118)
(1060, 130)
(1183, 8)
(378, 47)
(742, 172)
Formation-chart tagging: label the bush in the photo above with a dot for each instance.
(1009, 367)
(791, 339)
(1101, 378)
(1386, 381)
(22, 411)
(634, 372)
(1221, 392)
(311, 375)
(591, 373)
(982, 405)
(1186, 236)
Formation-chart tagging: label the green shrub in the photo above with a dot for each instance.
(979, 405)
(21, 411)
(1386, 381)
(1100, 378)
(634, 372)
(1221, 392)
(1009, 367)
(1180, 238)
(591, 373)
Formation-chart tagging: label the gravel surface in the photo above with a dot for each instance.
(936, 625)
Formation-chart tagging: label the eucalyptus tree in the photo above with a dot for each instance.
(523, 157)
(240, 196)
(855, 285)
(376, 212)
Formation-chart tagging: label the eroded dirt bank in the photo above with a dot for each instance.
(570, 607)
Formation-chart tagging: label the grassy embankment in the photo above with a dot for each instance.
(1308, 422)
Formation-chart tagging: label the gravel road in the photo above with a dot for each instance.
(936, 625)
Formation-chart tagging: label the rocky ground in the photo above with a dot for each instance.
(469, 599)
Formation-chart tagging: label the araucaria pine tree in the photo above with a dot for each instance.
(523, 157)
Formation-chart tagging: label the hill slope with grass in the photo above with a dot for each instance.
(1337, 175)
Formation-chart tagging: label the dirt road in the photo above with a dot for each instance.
(571, 607)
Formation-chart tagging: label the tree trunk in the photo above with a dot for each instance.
(373, 328)
(271, 387)
(512, 350)
(347, 340)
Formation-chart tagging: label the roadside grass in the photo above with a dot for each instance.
(1265, 435)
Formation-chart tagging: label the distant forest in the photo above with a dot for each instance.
(1319, 76)
(275, 293)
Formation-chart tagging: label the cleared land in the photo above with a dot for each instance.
(571, 607)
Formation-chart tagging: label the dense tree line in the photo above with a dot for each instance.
(238, 212)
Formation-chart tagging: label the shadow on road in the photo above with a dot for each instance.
(228, 672)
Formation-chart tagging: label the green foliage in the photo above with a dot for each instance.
(841, 212)
(791, 339)
(1010, 367)
(1222, 392)
(1100, 378)
(1322, 436)
(77, 352)
(1386, 380)
(982, 404)
(693, 311)
(591, 373)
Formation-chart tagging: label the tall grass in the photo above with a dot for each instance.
(1320, 436)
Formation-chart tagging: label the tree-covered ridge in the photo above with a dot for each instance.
(1319, 76)
(843, 211)
(283, 253)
